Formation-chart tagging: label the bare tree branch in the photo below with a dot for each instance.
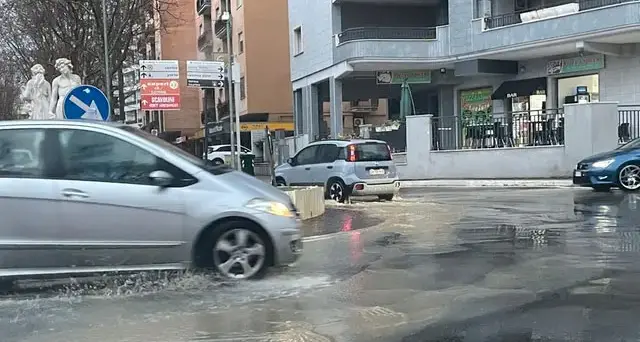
(41, 31)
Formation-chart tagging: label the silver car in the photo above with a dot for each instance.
(111, 198)
(344, 167)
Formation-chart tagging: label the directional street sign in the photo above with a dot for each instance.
(164, 69)
(86, 102)
(158, 94)
(205, 74)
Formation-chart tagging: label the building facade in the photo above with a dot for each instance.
(481, 56)
(178, 41)
(260, 46)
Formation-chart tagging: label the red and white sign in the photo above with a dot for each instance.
(160, 102)
(159, 94)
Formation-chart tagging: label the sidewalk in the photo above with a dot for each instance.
(477, 183)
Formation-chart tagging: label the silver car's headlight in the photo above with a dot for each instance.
(271, 207)
(601, 164)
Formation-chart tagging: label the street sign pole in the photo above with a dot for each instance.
(231, 98)
(239, 160)
(206, 123)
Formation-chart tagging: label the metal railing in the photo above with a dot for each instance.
(357, 33)
(220, 28)
(628, 122)
(203, 7)
(499, 130)
(513, 18)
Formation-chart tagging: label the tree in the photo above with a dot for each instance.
(43, 30)
(10, 79)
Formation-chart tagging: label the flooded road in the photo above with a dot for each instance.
(435, 265)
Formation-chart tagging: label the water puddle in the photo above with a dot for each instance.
(339, 220)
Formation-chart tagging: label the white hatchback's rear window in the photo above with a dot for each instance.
(372, 152)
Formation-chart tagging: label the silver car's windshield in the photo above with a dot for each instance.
(178, 151)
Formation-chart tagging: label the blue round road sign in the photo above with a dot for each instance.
(86, 102)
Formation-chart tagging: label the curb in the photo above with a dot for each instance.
(495, 183)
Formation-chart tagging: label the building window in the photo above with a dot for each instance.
(240, 42)
(297, 40)
(243, 91)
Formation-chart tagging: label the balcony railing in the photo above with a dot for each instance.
(203, 7)
(358, 33)
(513, 18)
(220, 26)
(205, 39)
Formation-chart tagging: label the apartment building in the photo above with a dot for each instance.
(178, 41)
(131, 96)
(475, 56)
(259, 36)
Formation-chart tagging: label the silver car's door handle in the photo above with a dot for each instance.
(74, 193)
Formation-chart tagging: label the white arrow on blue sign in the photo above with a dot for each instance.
(86, 102)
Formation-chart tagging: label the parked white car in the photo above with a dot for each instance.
(218, 153)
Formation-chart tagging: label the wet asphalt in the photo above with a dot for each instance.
(435, 265)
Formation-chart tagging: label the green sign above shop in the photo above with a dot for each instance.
(399, 77)
(576, 64)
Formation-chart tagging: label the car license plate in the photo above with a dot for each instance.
(375, 172)
(577, 174)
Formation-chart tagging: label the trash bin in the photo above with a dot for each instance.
(248, 166)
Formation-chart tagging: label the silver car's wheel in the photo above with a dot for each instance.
(218, 161)
(629, 177)
(240, 253)
(337, 191)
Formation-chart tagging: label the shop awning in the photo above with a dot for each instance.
(518, 88)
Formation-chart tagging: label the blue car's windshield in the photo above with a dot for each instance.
(635, 143)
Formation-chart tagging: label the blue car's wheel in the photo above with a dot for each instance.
(629, 177)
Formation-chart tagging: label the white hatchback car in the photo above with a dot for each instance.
(344, 167)
(218, 153)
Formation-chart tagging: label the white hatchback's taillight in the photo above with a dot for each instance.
(390, 154)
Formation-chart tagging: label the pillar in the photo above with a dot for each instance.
(589, 128)
(419, 139)
(335, 107)
(552, 93)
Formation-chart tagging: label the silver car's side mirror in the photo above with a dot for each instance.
(290, 161)
(161, 178)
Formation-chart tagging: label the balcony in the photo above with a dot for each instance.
(220, 27)
(528, 28)
(548, 11)
(396, 43)
(203, 7)
(359, 33)
(205, 40)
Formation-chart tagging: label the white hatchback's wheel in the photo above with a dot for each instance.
(240, 253)
(218, 161)
(337, 191)
(629, 177)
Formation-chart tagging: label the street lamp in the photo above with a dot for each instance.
(226, 16)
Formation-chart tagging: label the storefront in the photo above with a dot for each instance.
(577, 79)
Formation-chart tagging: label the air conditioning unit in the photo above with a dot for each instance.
(358, 121)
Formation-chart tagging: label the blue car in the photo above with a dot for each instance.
(618, 168)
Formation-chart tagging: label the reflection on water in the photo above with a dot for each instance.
(338, 219)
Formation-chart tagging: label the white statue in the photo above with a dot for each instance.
(61, 86)
(35, 95)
